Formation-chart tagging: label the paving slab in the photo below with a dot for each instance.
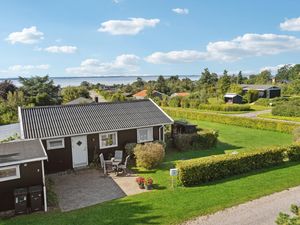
(84, 188)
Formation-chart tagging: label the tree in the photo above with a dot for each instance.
(240, 78)
(40, 90)
(251, 95)
(223, 83)
(208, 82)
(118, 97)
(72, 92)
(236, 88)
(5, 87)
(161, 85)
(263, 77)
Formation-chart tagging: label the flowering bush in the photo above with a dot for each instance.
(148, 181)
(140, 180)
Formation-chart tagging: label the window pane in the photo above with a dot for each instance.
(8, 172)
(54, 144)
(108, 139)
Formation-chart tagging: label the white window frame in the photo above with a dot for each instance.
(110, 146)
(17, 176)
(56, 147)
(150, 134)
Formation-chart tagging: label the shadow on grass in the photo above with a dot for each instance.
(220, 148)
(244, 175)
(112, 212)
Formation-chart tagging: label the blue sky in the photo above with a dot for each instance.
(138, 37)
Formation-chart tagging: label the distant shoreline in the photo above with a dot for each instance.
(106, 80)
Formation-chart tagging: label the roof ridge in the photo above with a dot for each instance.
(85, 105)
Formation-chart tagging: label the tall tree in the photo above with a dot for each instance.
(5, 87)
(40, 90)
(263, 77)
(224, 83)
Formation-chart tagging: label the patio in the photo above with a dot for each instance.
(88, 187)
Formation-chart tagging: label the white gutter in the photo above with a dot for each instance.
(44, 188)
(21, 123)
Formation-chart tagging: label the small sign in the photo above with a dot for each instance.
(173, 172)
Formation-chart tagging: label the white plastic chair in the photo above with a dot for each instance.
(103, 164)
(118, 156)
(123, 167)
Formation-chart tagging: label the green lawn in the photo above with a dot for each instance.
(171, 206)
(270, 116)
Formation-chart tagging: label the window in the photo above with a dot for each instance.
(55, 143)
(108, 140)
(9, 173)
(145, 134)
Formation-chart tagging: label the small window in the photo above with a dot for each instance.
(108, 140)
(145, 134)
(55, 143)
(9, 173)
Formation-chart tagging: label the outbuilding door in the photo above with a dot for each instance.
(79, 151)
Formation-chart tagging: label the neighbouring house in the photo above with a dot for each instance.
(180, 94)
(233, 98)
(21, 166)
(80, 100)
(75, 135)
(265, 91)
(143, 94)
(96, 97)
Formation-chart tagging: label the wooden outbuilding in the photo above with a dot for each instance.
(233, 98)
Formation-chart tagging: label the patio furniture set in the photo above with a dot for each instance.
(115, 163)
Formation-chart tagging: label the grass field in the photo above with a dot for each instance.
(171, 206)
(288, 118)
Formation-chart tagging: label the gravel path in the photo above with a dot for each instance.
(262, 211)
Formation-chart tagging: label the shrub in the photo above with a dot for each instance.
(129, 149)
(288, 219)
(194, 103)
(291, 108)
(200, 140)
(185, 103)
(251, 95)
(174, 102)
(233, 120)
(225, 107)
(149, 155)
(293, 152)
(201, 170)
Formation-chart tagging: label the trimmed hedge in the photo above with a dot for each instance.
(201, 170)
(224, 107)
(198, 141)
(280, 126)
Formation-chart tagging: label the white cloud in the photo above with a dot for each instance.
(273, 69)
(132, 26)
(123, 64)
(183, 56)
(27, 36)
(248, 45)
(182, 11)
(291, 24)
(61, 49)
(16, 70)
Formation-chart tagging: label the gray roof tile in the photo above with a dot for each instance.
(65, 120)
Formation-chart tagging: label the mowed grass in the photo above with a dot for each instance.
(166, 205)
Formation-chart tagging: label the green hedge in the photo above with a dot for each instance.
(225, 107)
(232, 120)
(201, 170)
(201, 140)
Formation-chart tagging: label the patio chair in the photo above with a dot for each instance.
(103, 164)
(118, 155)
(123, 167)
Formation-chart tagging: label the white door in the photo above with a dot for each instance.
(79, 151)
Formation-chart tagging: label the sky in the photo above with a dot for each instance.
(139, 37)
